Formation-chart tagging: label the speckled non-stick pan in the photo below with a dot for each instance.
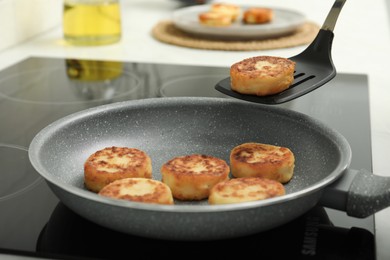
(169, 127)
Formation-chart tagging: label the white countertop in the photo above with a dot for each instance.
(361, 45)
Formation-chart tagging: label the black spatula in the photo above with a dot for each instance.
(314, 66)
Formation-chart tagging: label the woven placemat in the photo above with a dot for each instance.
(167, 32)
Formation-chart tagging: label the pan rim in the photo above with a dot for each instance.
(36, 144)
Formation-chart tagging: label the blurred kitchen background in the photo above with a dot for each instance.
(24, 19)
(21, 20)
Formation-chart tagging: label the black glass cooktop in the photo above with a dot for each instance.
(38, 91)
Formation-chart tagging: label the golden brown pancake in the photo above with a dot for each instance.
(191, 177)
(245, 189)
(257, 15)
(231, 10)
(262, 160)
(113, 163)
(262, 75)
(215, 19)
(139, 190)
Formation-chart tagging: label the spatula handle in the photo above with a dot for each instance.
(333, 14)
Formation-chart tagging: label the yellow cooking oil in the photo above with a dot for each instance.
(93, 70)
(91, 22)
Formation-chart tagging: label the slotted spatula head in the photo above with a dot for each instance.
(314, 66)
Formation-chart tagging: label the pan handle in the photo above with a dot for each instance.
(359, 193)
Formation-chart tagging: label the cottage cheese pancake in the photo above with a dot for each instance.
(191, 177)
(139, 190)
(262, 160)
(245, 189)
(113, 163)
(262, 75)
(257, 15)
(231, 10)
(215, 19)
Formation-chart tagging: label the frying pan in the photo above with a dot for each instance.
(169, 127)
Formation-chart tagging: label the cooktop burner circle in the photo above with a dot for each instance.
(193, 86)
(17, 175)
(67, 85)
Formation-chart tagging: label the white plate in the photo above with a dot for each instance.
(284, 22)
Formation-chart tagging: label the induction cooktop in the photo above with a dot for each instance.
(39, 90)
